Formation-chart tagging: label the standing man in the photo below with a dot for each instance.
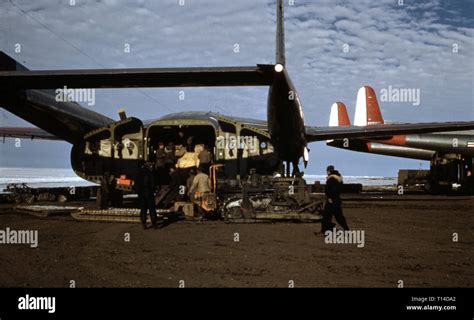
(201, 184)
(145, 187)
(333, 205)
(200, 187)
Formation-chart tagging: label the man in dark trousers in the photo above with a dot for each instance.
(333, 201)
(145, 187)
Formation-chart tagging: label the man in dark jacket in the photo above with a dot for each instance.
(145, 187)
(333, 201)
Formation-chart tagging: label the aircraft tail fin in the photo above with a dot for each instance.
(339, 116)
(280, 34)
(367, 111)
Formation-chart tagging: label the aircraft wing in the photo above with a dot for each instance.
(29, 133)
(385, 130)
(260, 75)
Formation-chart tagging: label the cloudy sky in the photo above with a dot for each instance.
(333, 48)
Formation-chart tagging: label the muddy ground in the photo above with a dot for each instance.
(405, 240)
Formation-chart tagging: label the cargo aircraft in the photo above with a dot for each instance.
(451, 154)
(103, 145)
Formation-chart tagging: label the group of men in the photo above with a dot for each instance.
(146, 187)
(180, 156)
(182, 167)
(199, 184)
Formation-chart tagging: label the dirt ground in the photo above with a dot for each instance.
(405, 240)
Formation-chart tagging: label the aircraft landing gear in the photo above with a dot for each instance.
(106, 199)
(108, 195)
(296, 169)
(102, 198)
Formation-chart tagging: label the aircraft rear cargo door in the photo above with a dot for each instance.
(128, 151)
(114, 150)
(128, 139)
